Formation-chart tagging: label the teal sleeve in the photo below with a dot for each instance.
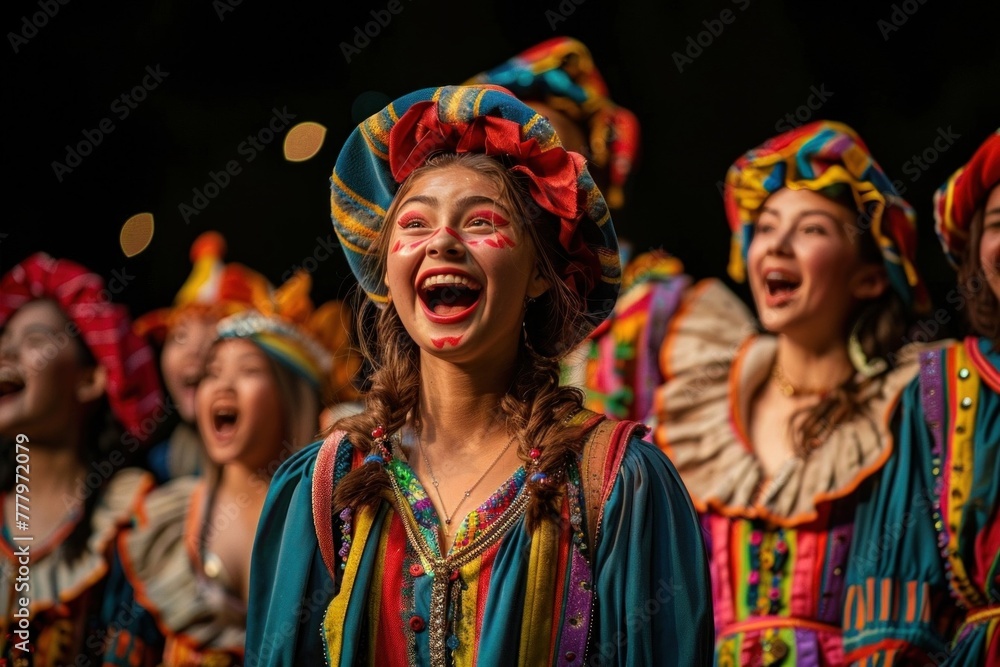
(654, 598)
(290, 587)
(897, 607)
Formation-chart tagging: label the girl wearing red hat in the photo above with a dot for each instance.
(952, 418)
(79, 395)
(474, 513)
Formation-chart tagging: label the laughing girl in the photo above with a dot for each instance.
(82, 393)
(187, 561)
(781, 437)
(474, 513)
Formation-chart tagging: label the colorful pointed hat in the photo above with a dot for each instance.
(213, 288)
(561, 73)
(958, 199)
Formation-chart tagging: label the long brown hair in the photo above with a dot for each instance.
(535, 407)
(881, 326)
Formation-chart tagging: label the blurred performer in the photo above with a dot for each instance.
(187, 560)
(618, 364)
(79, 395)
(185, 331)
(782, 438)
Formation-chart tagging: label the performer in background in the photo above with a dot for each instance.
(82, 389)
(186, 561)
(617, 365)
(184, 333)
(475, 513)
(781, 437)
(952, 415)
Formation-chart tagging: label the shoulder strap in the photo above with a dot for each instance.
(599, 462)
(322, 499)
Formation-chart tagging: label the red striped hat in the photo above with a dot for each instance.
(133, 384)
(956, 202)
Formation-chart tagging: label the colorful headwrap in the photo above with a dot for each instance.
(133, 386)
(386, 148)
(561, 73)
(313, 343)
(962, 195)
(212, 288)
(814, 157)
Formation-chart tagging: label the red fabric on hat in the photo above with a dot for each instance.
(552, 174)
(978, 178)
(105, 327)
(963, 194)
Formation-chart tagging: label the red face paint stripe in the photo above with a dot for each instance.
(439, 343)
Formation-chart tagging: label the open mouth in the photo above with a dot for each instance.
(781, 285)
(11, 382)
(449, 297)
(224, 420)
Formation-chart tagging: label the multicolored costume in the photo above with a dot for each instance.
(795, 581)
(617, 365)
(66, 596)
(213, 290)
(191, 611)
(952, 424)
(620, 579)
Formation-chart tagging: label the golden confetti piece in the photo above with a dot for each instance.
(303, 141)
(136, 234)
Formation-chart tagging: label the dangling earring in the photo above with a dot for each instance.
(869, 368)
(524, 335)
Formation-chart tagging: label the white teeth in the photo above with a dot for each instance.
(778, 275)
(8, 374)
(449, 279)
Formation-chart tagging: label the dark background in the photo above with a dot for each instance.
(230, 65)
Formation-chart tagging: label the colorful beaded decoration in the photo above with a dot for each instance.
(768, 554)
(380, 453)
(537, 476)
(346, 531)
(573, 496)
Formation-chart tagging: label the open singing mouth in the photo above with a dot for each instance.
(224, 418)
(781, 283)
(11, 381)
(449, 294)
